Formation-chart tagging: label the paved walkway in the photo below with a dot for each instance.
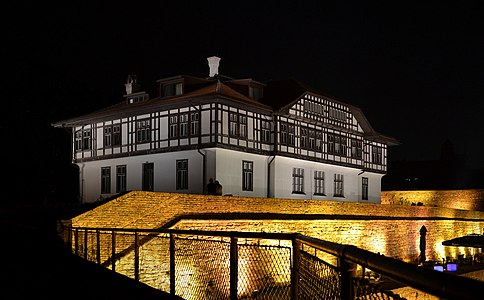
(36, 265)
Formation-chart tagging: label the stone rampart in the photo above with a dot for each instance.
(456, 199)
(392, 230)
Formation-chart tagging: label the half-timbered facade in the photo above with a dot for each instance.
(275, 139)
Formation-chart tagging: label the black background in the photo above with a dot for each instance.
(415, 69)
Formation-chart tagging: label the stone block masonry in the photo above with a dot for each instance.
(472, 199)
(392, 230)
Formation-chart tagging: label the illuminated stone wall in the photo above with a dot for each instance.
(392, 230)
(457, 199)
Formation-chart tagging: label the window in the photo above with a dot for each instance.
(233, 124)
(266, 131)
(117, 135)
(237, 125)
(242, 126)
(338, 185)
(283, 134)
(172, 89)
(312, 139)
(298, 181)
(83, 140)
(308, 138)
(364, 188)
(337, 145)
(143, 131)
(376, 154)
(184, 125)
(105, 180)
(304, 138)
(148, 179)
(336, 114)
(291, 141)
(255, 93)
(356, 149)
(173, 126)
(247, 176)
(319, 138)
(318, 182)
(112, 135)
(194, 123)
(182, 174)
(120, 178)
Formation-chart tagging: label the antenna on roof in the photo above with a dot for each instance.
(213, 63)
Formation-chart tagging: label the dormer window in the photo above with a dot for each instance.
(137, 98)
(172, 89)
(255, 92)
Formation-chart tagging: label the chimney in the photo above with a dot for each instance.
(213, 63)
(131, 85)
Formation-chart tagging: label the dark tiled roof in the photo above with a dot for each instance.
(281, 94)
(123, 109)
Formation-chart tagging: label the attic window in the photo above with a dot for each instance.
(138, 98)
(255, 92)
(172, 89)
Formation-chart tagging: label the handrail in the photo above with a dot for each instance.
(238, 234)
(444, 285)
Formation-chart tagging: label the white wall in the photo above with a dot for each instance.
(283, 168)
(229, 172)
(164, 173)
(226, 166)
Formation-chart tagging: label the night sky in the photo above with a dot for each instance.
(415, 69)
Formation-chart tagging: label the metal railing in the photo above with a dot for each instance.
(251, 265)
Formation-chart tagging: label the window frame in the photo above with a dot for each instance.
(181, 176)
(83, 140)
(364, 188)
(143, 131)
(106, 180)
(319, 184)
(338, 185)
(298, 181)
(247, 175)
(121, 178)
(237, 125)
(112, 136)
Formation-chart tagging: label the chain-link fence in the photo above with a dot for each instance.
(236, 265)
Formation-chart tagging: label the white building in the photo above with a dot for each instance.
(275, 139)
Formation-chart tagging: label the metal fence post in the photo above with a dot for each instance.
(234, 268)
(172, 264)
(113, 250)
(348, 272)
(136, 256)
(295, 269)
(76, 241)
(98, 247)
(85, 244)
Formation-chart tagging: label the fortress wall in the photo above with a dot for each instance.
(396, 238)
(456, 199)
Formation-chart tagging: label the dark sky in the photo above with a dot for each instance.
(415, 69)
